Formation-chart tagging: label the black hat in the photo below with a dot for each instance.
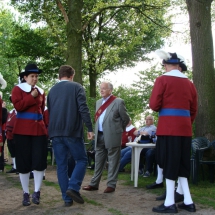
(172, 58)
(30, 68)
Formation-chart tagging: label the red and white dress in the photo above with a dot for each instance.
(30, 133)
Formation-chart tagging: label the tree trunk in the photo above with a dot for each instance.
(92, 79)
(74, 37)
(203, 65)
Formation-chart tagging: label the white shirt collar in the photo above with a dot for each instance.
(175, 73)
(27, 87)
(104, 100)
(129, 127)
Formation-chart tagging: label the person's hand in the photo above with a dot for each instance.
(90, 135)
(34, 93)
(144, 133)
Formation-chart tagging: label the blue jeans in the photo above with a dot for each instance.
(149, 155)
(71, 164)
(76, 147)
(125, 157)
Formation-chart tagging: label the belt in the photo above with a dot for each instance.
(100, 132)
(28, 115)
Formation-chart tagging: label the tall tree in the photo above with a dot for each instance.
(203, 65)
(119, 37)
(101, 24)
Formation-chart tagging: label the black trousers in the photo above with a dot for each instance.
(11, 147)
(173, 155)
(31, 153)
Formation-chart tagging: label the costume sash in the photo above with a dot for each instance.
(104, 106)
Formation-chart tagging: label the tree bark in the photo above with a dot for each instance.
(92, 79)
(203, 65)
(74, 37)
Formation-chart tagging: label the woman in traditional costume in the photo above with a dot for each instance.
(29, 131)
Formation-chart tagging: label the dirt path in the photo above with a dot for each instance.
(126, 200)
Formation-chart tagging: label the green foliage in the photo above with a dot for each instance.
(144, 87)
(20, 45)
(132, 101)
(122, 34)
(8, 66)
(115, 33)
(37, 45)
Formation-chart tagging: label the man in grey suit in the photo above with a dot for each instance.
(111, 120)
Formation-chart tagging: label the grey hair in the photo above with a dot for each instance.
(151, 117)
(110, 86)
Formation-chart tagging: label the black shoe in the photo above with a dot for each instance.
(162, 197)
(179, 197)
(36, 198)
(165, 209)
(190, 207)
(12, 171)
(26, 199)
(44, 178)
(68, 204)
(123, 170)
(75, 196)
(154, 185)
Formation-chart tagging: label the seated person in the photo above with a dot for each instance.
(149, 155)
(126, 152)
(129, 131)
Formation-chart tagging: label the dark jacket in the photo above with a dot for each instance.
(68, 110)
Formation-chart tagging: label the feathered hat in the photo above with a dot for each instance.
(172, 58)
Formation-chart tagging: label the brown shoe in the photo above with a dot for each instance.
(89, 188)
(109, 190)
